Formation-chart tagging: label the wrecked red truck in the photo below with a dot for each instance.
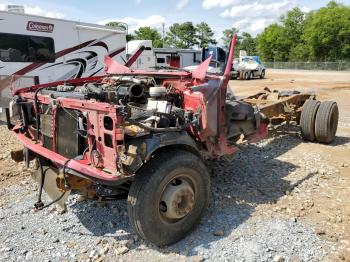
(141, 134)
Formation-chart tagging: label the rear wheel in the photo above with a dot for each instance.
(168, 197)
(242, 75)
(262, 76)
(248, 75)
(307, 119)
(326, 124)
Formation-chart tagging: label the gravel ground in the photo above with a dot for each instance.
(232, 230)
(279, 200)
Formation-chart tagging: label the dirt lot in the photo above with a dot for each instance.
(282, 199)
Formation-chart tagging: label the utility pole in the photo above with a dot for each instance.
(163, 24)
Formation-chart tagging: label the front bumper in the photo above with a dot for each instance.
(75, 167)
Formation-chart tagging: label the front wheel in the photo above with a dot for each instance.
(168, 197)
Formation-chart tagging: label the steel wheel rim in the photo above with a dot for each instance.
(177, 199)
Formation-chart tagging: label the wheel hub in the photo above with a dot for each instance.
(177, 199)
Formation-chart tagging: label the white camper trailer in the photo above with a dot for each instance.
(161, 57)
(36, 49)
(179, 58)
(145, 59)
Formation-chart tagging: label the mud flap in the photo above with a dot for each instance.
(50, 185)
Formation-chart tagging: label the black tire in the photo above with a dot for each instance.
(248, 75)
(307, 119)
(262, 76)
(242, 75)
(326, 124)
(146, 194)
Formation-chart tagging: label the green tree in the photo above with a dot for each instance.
(300, 52)
(282, 42)
(327, 33)
(181, 35)
(294, 26)
(293, 23)
(148, 33)
(123, 27)
(273, 44)
(249, 44)
(322, 35)
(205, 35)
(130, 37)
(118, 25)
(227, 36)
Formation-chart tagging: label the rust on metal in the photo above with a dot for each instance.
(76, 183)
(278, 109)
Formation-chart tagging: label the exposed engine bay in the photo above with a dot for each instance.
(145, 105)
(113, 123)
(101, 122)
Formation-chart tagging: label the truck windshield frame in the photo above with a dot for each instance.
(20, 48)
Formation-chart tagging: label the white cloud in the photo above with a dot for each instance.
(260, 25)
(154, 21)
(209, 4)
(182, 4)
(259, 9)
(252, 26)
(305, 9)
(251, 15)
(36, 10)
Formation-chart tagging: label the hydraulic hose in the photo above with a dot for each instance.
(54, 201)
(39, 205)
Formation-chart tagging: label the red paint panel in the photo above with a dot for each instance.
(79, 166)
(113, 67)
(174, 61)
(201, 70)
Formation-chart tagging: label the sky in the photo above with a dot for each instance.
(247, 15)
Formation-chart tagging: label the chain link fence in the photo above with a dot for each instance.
(332, 66)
